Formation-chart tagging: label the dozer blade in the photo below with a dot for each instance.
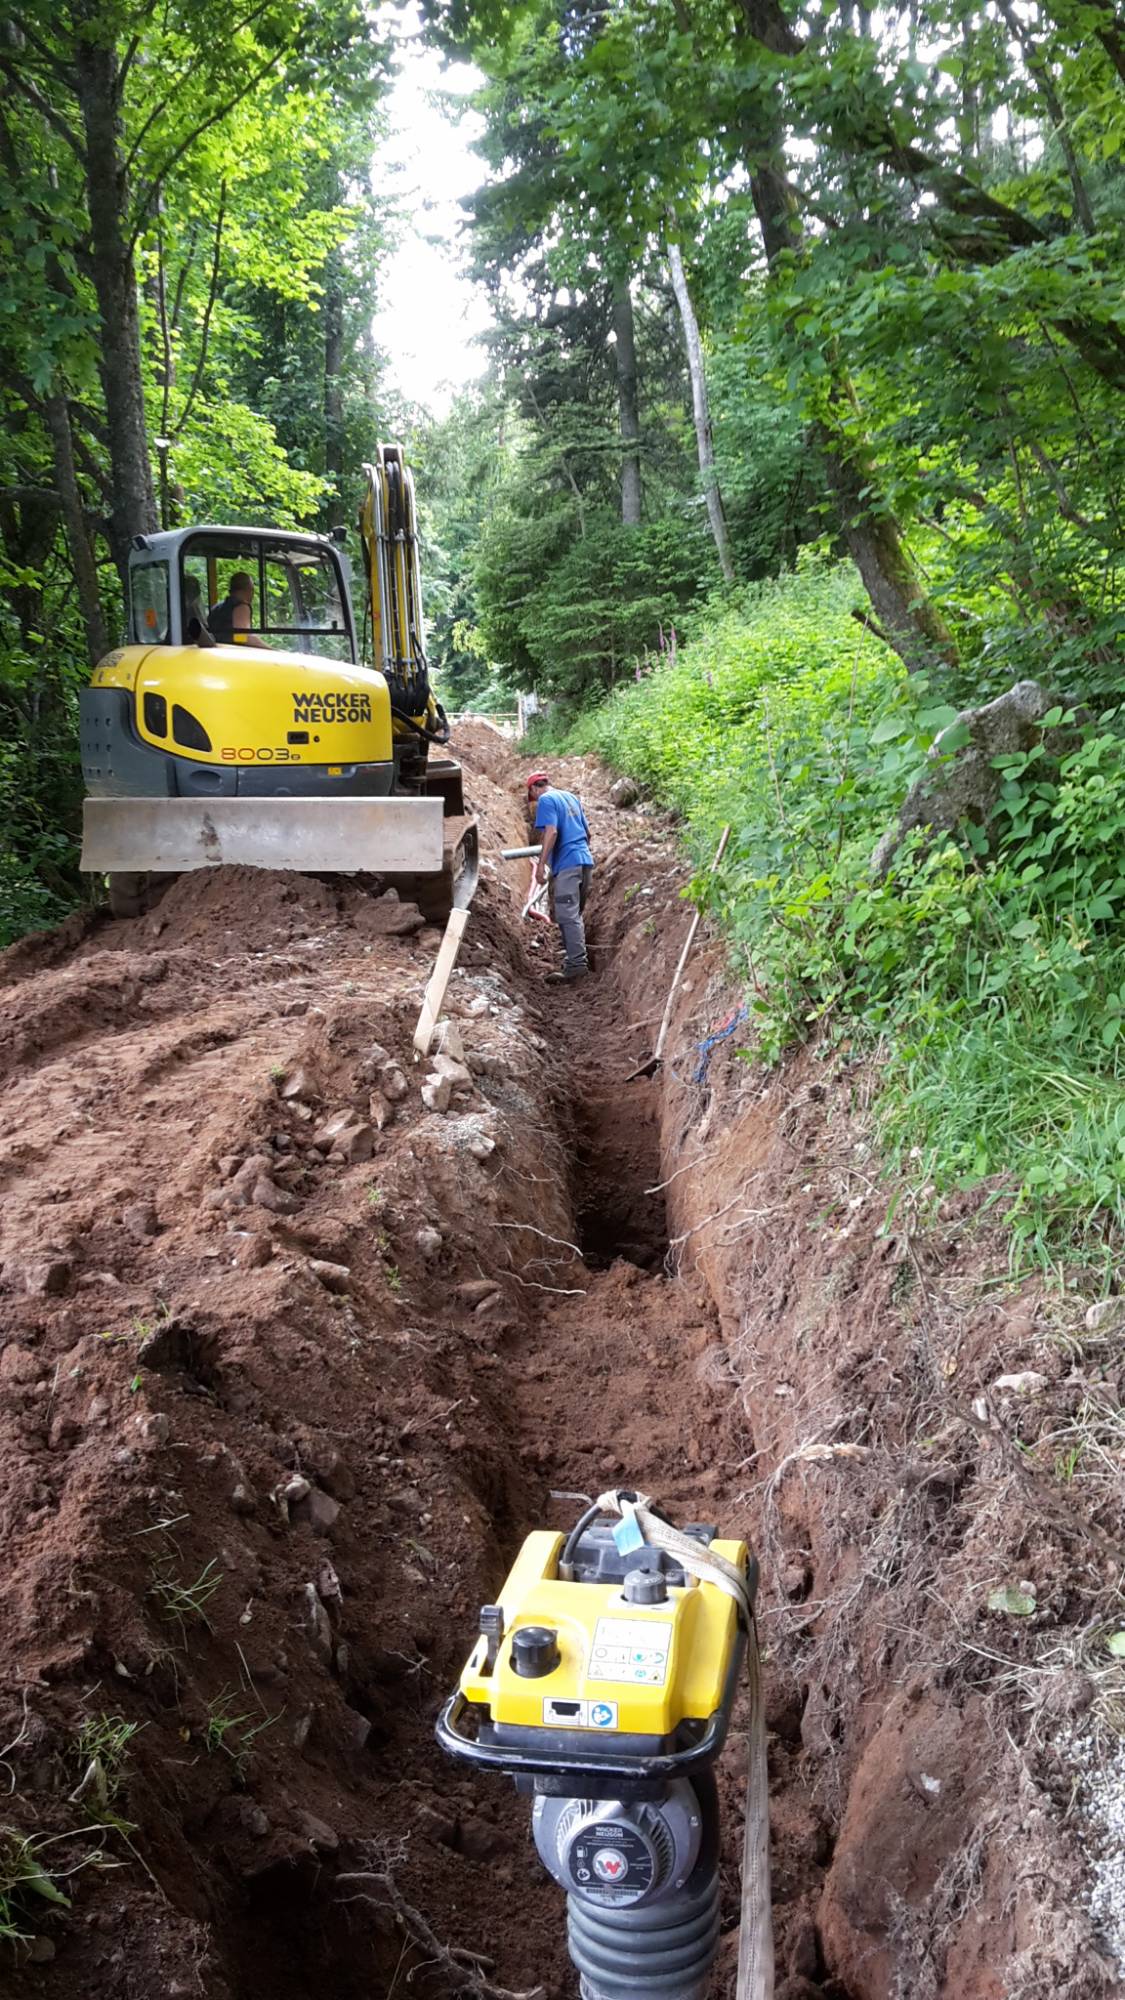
(385, 836)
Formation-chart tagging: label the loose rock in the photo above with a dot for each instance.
(379, 1111)
(297, 1084)
(334, 1277)
(1027, 1383)
(317, 1510)
(251, 1252)
(326, 1135)
(356, 1142)
(473, 1290)
(322, 1838)
(267, 1194)
(393, 1082)
(320, 1632)
(449, 1041)
(48, 1278)
(460, 1077)
(436, 1092)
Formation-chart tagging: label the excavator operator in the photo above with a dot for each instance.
(230, 620)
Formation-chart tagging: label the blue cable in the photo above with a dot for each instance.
(704, 1048)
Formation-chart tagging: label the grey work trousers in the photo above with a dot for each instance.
(569, 890)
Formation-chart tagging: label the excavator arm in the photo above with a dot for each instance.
(388, 526)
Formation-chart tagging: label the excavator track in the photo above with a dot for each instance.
(453, 889)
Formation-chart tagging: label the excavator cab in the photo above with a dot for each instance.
(280, 746)
(302, 589)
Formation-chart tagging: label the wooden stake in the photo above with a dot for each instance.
(650, 1067)
(439, 980)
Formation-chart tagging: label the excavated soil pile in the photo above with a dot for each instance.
(290, 1363)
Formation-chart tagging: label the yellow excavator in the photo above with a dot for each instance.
(288, 738)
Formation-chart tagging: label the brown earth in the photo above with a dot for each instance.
(288, 1366)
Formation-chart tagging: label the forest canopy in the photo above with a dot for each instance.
(762, 281)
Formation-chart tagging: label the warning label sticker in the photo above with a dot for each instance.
(561, 1714)
(631, 1649)
(603, 1715)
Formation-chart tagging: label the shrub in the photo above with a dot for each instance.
(989, 972)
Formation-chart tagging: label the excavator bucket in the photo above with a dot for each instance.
(340, 836)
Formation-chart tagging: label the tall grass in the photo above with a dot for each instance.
(991, 972)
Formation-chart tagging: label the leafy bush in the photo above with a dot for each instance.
(989, 972)
(40, 786)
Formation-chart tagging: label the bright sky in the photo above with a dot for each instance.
(430, 311)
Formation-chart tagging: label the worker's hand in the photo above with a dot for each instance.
(541, 872)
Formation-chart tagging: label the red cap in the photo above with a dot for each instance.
(538, 778)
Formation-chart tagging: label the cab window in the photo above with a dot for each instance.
(198, 594)
(298, 603)
(148, 594)
(303, 610)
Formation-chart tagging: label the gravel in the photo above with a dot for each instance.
(1100, 1809)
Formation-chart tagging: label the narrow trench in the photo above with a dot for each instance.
(617, 1167)
(606, 1386)
(612, 1381)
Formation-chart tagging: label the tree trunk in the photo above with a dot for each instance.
(874, 542)
(114, 279)
(625, 354)
(333, 385)
(871, 533)
(57, 417)
(701, 411)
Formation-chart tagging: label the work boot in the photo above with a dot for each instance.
(564, 978)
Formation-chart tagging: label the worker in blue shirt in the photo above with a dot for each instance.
(564, 859)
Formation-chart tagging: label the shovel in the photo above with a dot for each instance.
(650, 1067)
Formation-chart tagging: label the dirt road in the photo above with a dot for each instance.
(290, 1363)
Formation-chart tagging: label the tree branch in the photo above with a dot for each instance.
(46, 111)
(1067, 508)
(50, 56)
(201, 360)
(1102, 346)
(153, 186)
(126, 66)
(185, 267)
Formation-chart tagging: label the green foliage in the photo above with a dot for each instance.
(230, 1732)
(987, 973)
(182, 1602)
(236, 167)
(572, 613)
(40, 784)
(29, 1879)
(24, 1884)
